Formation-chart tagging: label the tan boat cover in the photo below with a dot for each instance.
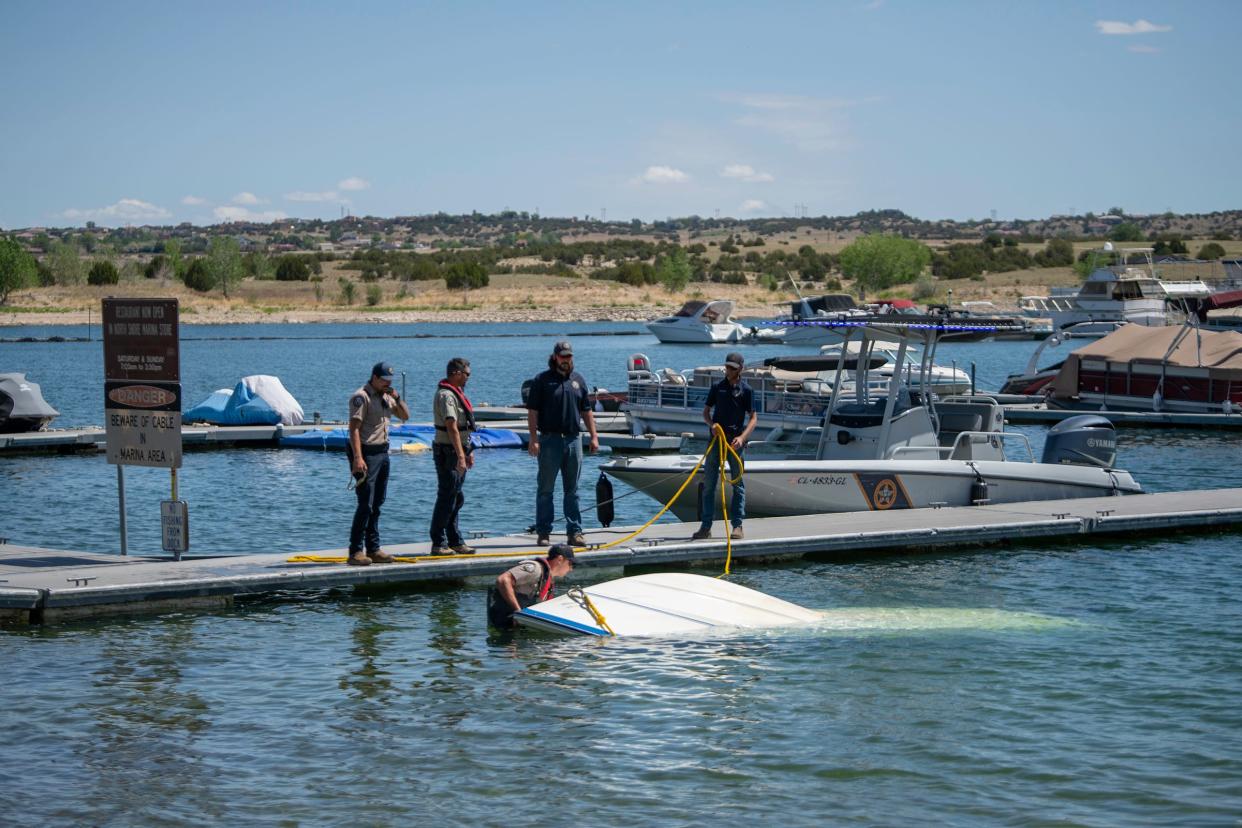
(1220, 351)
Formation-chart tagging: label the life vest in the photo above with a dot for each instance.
(500, 614)
(465, 405)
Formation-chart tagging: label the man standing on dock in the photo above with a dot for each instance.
(370, 407)
(731, 405)
(558, 398)
(453, 455)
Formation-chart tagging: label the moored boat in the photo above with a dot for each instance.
(904, 450)
(700, 322)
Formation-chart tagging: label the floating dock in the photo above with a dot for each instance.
(91, 440)
(1041, 414)
(48, 585)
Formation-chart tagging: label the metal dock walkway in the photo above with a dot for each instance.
(46, 586)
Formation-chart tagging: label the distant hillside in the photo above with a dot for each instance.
(509, 228)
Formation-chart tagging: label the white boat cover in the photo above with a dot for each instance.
(666, 603)
(1221, 351)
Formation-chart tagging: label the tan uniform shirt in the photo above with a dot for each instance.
(526, 577)
(447, 405)
(367, 408)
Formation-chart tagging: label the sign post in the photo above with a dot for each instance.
(142, 397)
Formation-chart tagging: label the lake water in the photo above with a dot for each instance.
(1091, 683)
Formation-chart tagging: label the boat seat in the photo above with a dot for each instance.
(671, 377)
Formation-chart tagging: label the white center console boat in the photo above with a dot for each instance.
(902, 449)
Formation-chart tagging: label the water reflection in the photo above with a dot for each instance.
(149, 724)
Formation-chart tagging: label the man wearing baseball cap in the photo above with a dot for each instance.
(528, 583)
(370, 407)
(731, 404)
(558, 401)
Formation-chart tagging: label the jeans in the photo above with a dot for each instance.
(558, 453)
(449, 498)
(371, 493)
(710, 502)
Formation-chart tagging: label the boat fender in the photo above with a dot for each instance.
(603, 501)
(978, 491)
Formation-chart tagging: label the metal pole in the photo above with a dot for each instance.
(402, 393)
(176, 554)
(120, 491)
(972, 379)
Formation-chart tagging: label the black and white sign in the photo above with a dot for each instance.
(175, 525)
(143, 423)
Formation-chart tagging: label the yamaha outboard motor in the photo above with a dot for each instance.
(1086, 440)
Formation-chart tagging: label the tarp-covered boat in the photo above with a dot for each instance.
(256, 400)
(338, 438)
(1139, 368)
(665, 603)
(22, 407)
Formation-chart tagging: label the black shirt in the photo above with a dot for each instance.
(730, 404)
(558, 401)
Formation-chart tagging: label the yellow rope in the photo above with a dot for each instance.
(578, 596)
(718, 438)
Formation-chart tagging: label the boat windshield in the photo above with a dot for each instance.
(691, 309)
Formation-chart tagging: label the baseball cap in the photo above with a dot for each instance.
(383, 370)
(563, 348)
(734, 360)
(561, 550)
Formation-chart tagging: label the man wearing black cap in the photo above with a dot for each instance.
(370, 407)
(731, 404)
(558, 398)
(528, 583)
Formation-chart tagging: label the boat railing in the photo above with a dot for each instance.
(972, 437)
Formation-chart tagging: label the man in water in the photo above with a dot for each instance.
(731, 405)
(453, 455)
(528, 583)
(558, 398)
(370, 407)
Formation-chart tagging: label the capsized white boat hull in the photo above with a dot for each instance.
(777, 488)
(667, 603)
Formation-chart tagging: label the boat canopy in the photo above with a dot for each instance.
(256, 400)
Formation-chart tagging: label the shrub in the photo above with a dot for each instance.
(1211, 250)
(103, 272)
(292, 268)
(198, 276)
(348, 290)
(374, 294)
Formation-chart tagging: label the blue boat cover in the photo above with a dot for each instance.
(242, 407)
(338, 438)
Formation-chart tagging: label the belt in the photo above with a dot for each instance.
(565, 434)
(379, 448)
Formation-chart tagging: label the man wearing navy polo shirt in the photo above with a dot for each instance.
(558, 401)
(731, 403)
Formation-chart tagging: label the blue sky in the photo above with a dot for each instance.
(133, 113)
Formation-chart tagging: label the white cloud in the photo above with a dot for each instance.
(810, 124)
(327, 195)
(752, 205)
(1143, 49)
(1117, 27)
(193, 201)
(745, 172)
(246, 198)
(664, 175)
(245, 214)
(353, 183)
(125, 211)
